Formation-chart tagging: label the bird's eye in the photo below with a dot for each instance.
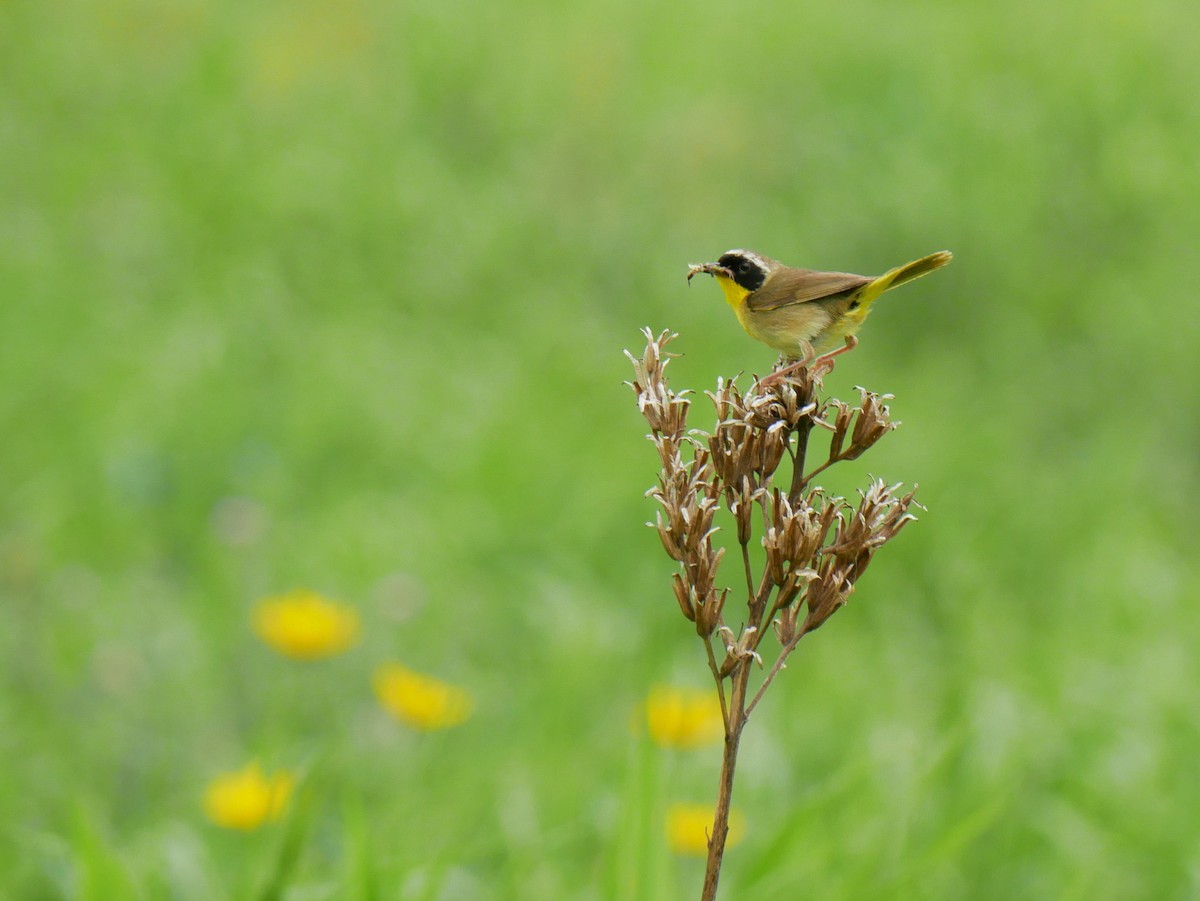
(743, 265)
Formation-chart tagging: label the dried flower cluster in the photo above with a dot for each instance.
(815, 547)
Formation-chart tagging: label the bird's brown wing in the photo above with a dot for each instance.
(794, 286)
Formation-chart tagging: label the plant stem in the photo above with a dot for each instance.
(712, 665)
(802, 432)
(780, 663)
(733, 736)
(749, 574)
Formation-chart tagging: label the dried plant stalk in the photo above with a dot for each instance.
(816, 546)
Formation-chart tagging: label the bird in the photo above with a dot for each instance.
(804, 314)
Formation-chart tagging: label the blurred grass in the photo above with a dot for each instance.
(334, 295)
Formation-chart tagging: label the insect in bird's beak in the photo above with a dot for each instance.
(708, 269)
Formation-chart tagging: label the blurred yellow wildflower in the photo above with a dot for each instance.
(420, 701)
(247, 798)
(304, 625)
(683, 717)
(688, 826)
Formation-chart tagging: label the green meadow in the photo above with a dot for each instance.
(334, 296)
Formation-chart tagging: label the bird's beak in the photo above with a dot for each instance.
(709, 269)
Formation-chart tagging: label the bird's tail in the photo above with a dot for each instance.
(906, 273)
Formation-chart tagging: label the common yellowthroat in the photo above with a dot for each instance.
(800, 312)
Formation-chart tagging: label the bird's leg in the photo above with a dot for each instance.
(851, 343)
(780, 374)
(824, 363)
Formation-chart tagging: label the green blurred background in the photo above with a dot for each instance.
(334, 294)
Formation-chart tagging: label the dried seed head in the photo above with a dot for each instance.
(879, 518)
(873, 422)
(840, 426)
(727, 399)
(752, 433)
(825, 595)
(741, 452)
(816, 547)
(787, 403)
(797, 580)
(708, 617)
(785, 625)
(740, 648)
(689, 500)
(683, 596)
(665, 411)
(794, 534)
(741, 504)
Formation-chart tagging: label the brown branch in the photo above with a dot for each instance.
(803, 430)
(712, 665)
(750, 594)
(780, 663)
(720, 828)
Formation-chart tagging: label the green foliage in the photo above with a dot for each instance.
(334, 295)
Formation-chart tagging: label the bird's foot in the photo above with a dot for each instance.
(819, 366)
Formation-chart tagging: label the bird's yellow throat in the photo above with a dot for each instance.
(735, 296)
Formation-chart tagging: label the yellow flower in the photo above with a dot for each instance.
(303, 625)
(688, 826)
(421, 701)
(246, 799)
(683, 718)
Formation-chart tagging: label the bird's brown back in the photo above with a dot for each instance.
(792, 286)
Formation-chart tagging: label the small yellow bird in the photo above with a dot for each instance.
(800, 312)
